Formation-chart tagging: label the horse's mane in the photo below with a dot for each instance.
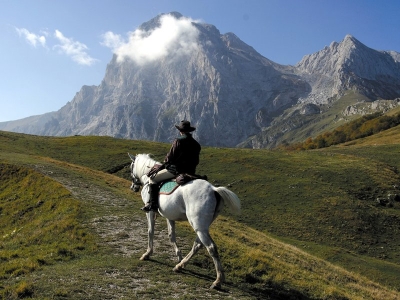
(143, 164)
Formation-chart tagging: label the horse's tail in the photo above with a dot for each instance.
(229, 198)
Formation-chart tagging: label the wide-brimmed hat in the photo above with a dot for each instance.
(184, 126)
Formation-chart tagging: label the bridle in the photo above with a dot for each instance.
(136, 183)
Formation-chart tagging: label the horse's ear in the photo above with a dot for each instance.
(131, 157)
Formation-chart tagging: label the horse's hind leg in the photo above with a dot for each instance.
(172, 238)
(196, 247)
(150, 231)
(211, 247)
(204, 238)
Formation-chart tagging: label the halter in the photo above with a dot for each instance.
(137, 181)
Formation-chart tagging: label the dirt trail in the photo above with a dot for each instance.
(115, 222)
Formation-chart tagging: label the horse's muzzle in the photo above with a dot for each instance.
(135, 187)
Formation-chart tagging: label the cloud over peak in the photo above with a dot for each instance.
(173, 37)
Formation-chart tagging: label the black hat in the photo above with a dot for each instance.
(184, 126)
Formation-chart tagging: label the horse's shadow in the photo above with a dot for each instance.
(192, 273)
(269, 291)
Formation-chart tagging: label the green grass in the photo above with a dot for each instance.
(322, 202)
(39, 226)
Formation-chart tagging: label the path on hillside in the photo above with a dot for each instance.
(126, 233)
(124, 230)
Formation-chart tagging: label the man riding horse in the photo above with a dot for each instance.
(182, 158)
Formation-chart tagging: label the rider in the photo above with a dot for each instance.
(183, 157)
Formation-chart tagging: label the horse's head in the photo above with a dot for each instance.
(136, 183)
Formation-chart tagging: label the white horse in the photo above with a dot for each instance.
(197, 201)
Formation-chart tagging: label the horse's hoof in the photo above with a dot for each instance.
(216, 286)
(144, 257)
(177, 269)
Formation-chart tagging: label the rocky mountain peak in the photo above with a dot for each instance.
(349, 39)
(155, 22)
(330, 59)
(231, 93)
(349, 65)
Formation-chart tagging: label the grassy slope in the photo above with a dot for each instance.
(321, 201)
(38, 226)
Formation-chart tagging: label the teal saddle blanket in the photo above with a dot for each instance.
(168, 187)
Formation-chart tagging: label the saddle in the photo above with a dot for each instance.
(169, 186)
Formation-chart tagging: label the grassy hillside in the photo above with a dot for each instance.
(306, 215)
(38, 226)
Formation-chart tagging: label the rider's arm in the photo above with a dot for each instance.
(173, 153)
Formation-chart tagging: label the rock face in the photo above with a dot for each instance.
(350, 65)
(340, 69)
(223, 86)
(309, 109)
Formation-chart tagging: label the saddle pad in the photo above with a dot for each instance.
(168, 187)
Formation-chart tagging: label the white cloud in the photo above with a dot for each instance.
(112, 40)
(74, 49)
(173, 37)
(31, 38)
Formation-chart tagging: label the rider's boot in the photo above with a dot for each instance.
(152, 204)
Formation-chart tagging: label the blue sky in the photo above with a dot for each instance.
(50, 49)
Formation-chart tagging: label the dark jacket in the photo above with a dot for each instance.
(183, 157)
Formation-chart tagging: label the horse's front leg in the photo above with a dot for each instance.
(172, 238)
(150, 230)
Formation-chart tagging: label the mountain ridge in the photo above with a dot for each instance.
(230, 92)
